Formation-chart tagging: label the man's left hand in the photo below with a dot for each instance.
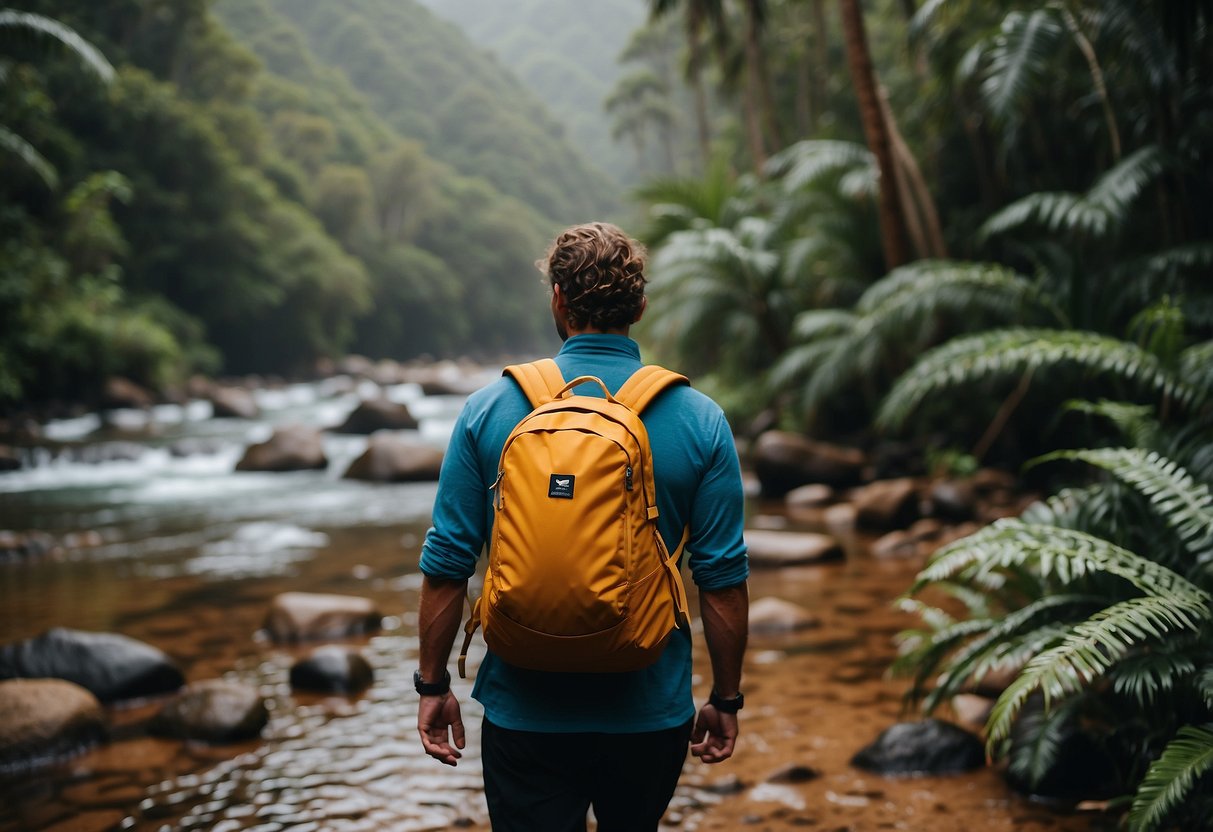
(714, 736)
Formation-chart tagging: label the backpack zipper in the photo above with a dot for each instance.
(495, 488)
(627, 478)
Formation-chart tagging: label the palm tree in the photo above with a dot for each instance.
(14, 22)
(863, 78)
(699, 17)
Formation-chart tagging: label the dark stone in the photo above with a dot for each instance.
(291, 448)
(45, 720)
(953, 499)
(120, 393)
(378, 414)
(195, 446)
(112, 666)
(9, 459)
(214, 711)
(785, 460)
(332, 669)
(887, 504)
(931, 746)
(729, 784)
(794, 773)
(897, 459)
(389, 458)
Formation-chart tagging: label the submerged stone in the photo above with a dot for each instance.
(45, 720)
(214, 710)
(332, 669)
(930, 746)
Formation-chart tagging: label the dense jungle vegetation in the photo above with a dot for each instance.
(978, 228)
(246, 186)
(983, 228)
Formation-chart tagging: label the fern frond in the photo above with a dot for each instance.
(88, 54)
(1185, 504)
(1135, 422)
(29, 156)
(1169, 780)
(1067, 554)
(1091, 648)
(1045, 733)
(1018, 60)
(1121, 184)
(1007, 353)
(1055, 211)
(1196, 367)
(1144, 675)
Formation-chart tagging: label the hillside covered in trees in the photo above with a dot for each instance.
(247, 186)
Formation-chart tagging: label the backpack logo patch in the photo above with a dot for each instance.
(561, 485)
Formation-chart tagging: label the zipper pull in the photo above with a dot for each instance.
(498, 500)
(627, 478)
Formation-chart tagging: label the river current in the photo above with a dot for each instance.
(164, 542)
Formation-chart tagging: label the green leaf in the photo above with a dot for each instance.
(1169, 781)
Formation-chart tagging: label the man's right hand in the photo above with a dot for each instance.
(714, 735)
(440, 724)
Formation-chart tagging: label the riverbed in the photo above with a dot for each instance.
(166, 543)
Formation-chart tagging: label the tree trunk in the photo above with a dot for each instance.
(756, 59)
(892, 223)
(695, 70)
(915, 193)
(821, 51)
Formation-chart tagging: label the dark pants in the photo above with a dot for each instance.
(538, 782)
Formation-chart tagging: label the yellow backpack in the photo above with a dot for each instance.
(578, 576)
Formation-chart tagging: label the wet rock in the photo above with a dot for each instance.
(887, 504)
(953, 499)
(971, 709)
(389, 458)
(195, 446)
(44, 720)
(356, 365)
(775, 616)
(378, 414)
(105, 452)
(306, 616)
(769, 548)
(214, 710)
(291, 448)
(727, 785)
(27, 545)
(809, 496)
(121, 392)
(931, 746)
(928, 528)
(332, 669)
(387, 372)
(112, 666)
(793, 773)
(840, 516)
(446, 378)
(784, 461)
(9, 459)
(896, 459)
(986, 480)
(895, 544)
(233, 403)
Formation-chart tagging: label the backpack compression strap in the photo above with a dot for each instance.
(645, 384)
(540, 380)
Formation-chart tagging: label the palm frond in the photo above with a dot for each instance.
(1184, 504)
(1121, 184)
(1005, 353)
(1055, 211)
(29, 156)
(88, 54)
(806, 163)
(1018, 60)
(1091, 648)
(1170, 779)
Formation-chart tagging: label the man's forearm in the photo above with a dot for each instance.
(439, 614)
(726, 625)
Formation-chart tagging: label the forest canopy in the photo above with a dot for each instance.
(256, 184)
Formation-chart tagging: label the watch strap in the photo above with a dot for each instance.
(726, 706)
(432, 688)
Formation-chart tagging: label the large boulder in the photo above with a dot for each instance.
(307, 616)
(214, 710)
(785, 460)
(886, 504)
(389, 458)
(378, 414)
(44, 720)
(771, 548)
(930, 746)
(332, 669)
(112, 666)
(233, 403)
(291, 448)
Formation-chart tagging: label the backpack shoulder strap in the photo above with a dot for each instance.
(645, 384)
(540, 380)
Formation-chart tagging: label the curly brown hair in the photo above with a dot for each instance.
(600, 272)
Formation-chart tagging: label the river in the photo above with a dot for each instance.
(169, 545)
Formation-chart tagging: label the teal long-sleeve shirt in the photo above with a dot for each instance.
(698, 484)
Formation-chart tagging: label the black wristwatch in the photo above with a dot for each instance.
(726, 706)
(432, 688)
